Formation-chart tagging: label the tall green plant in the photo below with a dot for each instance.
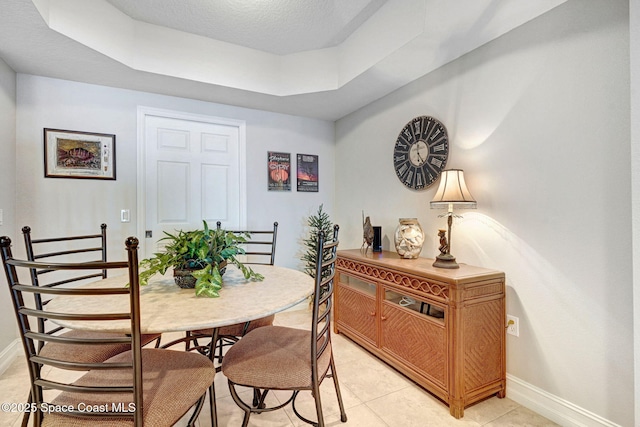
(317, 222)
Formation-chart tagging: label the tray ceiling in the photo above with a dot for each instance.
(316, 58)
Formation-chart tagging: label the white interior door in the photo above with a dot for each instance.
(194, 171)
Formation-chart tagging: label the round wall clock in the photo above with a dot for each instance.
(421, 152)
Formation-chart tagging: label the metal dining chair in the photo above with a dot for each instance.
(142, 386)
(260, 249)
(87, 247)
(282, 358)
(76, 248)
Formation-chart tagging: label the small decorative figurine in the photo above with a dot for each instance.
(444, 245)
(444, 258)
(367, 233)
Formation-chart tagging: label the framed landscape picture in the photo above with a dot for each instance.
(73, 154)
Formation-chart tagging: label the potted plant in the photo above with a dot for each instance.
(317, 222)
(199, 257)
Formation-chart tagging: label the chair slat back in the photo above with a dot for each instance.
(60, 249)
(64, 249)
(326, 255)
(261, 244)
(29, 314)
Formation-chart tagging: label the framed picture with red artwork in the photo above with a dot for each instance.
(75, 154)
(279, 171)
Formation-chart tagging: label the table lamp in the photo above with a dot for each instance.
(452, 192)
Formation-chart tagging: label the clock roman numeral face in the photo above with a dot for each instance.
(420, 153)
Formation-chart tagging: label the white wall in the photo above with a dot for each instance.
(55, 206)
(7, 192)
(634, 12)
(539, 121)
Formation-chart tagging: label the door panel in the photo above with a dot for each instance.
(214, 206)
(173, 180)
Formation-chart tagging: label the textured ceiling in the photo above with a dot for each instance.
(274, 26)
(315, 58)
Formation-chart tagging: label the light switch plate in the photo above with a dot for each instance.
(125, 215)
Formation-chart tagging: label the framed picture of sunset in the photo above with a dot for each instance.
(307, 172)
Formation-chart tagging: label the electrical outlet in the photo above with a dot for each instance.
(513, 325)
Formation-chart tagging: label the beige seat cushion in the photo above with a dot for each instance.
(172, 382)
(273, 357)
(88, 353)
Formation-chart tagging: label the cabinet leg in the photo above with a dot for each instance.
(503, 390)
(456, 410)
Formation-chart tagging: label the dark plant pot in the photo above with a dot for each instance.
(185, 280)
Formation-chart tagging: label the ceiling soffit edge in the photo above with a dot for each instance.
(165, 51)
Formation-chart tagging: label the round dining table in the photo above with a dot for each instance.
(164, 307)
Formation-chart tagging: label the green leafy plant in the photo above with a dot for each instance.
(317, 222)
(205, 252)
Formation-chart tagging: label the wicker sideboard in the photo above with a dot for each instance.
(444, 329)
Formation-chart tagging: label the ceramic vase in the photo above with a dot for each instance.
(409, 238)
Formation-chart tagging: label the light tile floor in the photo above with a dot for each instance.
(374, 395)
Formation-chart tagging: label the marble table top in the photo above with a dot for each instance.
(164, 307)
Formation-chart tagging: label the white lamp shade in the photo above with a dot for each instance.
(453, 191)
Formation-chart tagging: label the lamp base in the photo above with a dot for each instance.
(446, 261)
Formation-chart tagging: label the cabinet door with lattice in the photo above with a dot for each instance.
(482, 345)
(414, 332)
(356, 307)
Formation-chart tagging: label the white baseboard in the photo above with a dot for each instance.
(9, 354)
(553, 407)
